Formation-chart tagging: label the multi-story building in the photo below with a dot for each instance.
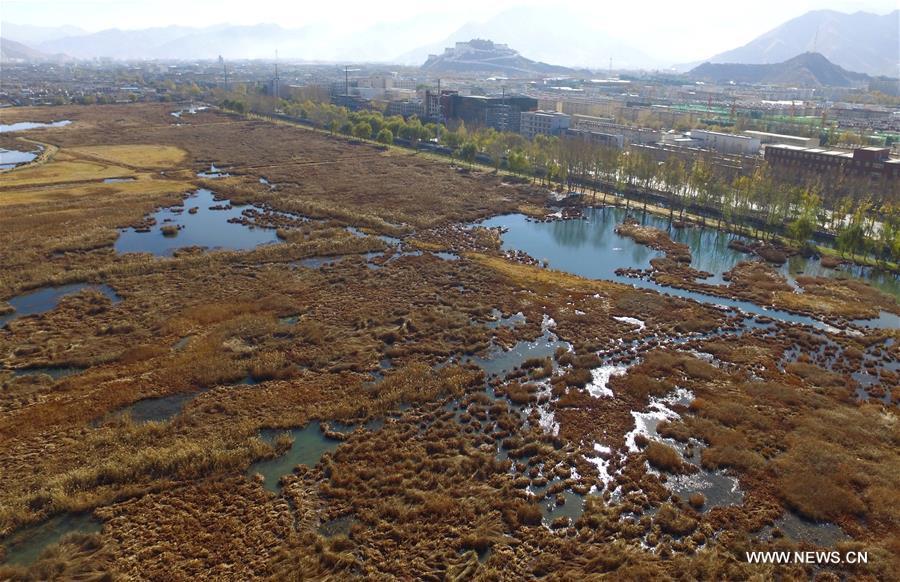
(630, 135)
(500, 113)
(766, 138)
(597, 137)
(726, 143)
(405, 108)
(532, 123)
(873, 162)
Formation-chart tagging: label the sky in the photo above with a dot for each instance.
(675, 31)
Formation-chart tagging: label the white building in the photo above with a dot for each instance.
(769, 138)
(726, 143)
(533, 123)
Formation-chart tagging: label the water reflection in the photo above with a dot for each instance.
(26, 125)
(46, 298)
(208, 223)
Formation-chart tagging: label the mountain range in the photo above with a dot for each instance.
(861, 42)
(807, 70)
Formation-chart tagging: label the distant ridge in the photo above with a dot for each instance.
(861, 41)
(485, 56)
(12, 51)
(807, 70)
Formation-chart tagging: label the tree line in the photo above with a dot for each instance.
(861, 216)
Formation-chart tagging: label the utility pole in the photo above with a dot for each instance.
(440, 116)
(277, 89)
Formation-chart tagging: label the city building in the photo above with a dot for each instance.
(597, 138)
(766, 138)
(405, 108)
(500, 113)
(630, 135)
(873, 162)
(726, 143)
(532, 123)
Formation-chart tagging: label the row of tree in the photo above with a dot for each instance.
(862, 216)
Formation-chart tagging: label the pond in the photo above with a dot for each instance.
(26, 125)
(201, 221)
(46, 298)
(308, 447)
(589, 247)
(11, 158)
(25, 546)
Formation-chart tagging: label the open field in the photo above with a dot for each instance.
(434, 469)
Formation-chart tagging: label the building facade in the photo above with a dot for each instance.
(871, 162)
(532, 123)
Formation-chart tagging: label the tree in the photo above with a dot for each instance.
(385, 136)
(362, 130)
(518, 162)
(803, 227)
(467, 152)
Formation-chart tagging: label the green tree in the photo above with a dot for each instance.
(362, 130)
(385, 136)
(467, 152)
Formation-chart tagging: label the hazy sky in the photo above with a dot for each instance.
(683, 30)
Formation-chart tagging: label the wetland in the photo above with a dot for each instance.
(332, 360)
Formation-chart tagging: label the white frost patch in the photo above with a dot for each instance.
(557, 214)
(547, 323)
(601, 464)
(645, 423)
(579, 312)
(631, 321)
(546, 418)
(598, 387)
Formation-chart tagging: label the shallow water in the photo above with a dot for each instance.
(11, 158)
(24, 547)
(205, 228)
(590, 248)
(46, 298)
(309, 446)
(53, 371)
(25, 125)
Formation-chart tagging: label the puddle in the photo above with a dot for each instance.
(25, 546)
(598, 387)
(316, 262)
(499, 362)
(117, 180)
(500, 320)
(26, 125)
(213, 173)
(204, 227)
(309, 445)
(799, 529)
(54, 372)
(717, 487)
(9, 159)
(337, 526)
(46, 298)
(446, 256)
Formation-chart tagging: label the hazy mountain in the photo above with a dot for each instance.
(863, 42)
(807, 70)
(487, 57)
(116, 43)
(34, 35)
(11, 50)
(550, 35)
